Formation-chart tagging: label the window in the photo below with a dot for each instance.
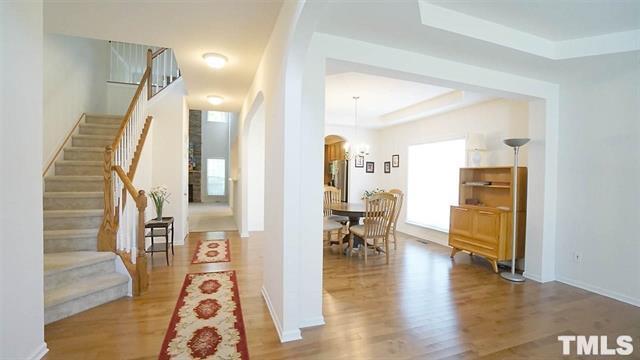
(216, 175)
(432, 182)
(217, 116)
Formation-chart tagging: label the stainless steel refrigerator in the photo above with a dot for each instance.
(340, 177)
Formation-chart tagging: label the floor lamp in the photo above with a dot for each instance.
(513, 276)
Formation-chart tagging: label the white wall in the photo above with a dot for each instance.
(75, 75)
(215, 144)
(598, 177)
(169, 152)
(359, 180)
(119, 98)
(255, 170)
(279, 80)
(21, 244)
(496, 120)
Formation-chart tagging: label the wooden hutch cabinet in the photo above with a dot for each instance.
(481, 222)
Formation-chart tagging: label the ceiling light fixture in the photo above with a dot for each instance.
(214, 60)
(215, 100)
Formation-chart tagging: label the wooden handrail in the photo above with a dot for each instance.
(132, 105)
(158, 52)
(64, 143)
(128, 184)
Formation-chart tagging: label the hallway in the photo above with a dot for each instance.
(422, 305)
(211, 217)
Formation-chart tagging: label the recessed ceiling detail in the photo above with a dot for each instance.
(386, 101)
(478, 28)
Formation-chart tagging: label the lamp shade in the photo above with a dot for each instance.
(516, 142)
(476, 142)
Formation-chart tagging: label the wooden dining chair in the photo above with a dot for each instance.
(332, 195)
(329, 227)
(379, 210)
(396, 214)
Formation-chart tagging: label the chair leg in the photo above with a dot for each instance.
(340, 241)
(366, 249)
(386, 246)
(351, 244)
(395, 240)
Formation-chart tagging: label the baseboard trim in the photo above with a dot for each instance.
(317, 321)
(600, 291)
(534, 277)
(40, 352)
(285, 336)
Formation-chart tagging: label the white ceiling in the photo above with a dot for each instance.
(238, 29)
(378, 96)
(553, 19)
(398, 24)
(382, 97)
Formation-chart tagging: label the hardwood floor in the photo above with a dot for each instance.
(421, 306)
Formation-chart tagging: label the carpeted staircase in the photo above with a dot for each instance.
(76, 276)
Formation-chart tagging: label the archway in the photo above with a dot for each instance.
(336, 165)
(252, 156)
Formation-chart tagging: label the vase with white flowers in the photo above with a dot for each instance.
(368, 193)
(160, 195)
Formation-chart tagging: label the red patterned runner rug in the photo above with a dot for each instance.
(212, 251)
(207, 321)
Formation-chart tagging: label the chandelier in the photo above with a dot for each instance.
(361, 149)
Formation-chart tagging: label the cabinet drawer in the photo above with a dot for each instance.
(472, 245)
(461, 221)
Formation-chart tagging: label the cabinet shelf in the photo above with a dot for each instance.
(491, 186)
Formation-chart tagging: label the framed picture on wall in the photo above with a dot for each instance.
(370, 166)
(359, 161)
(395, 160)
(387, 167)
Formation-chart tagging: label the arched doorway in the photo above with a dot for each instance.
(336, 165)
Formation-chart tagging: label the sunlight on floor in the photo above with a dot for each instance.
(211, 217)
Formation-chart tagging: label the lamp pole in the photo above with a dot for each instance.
(513, 276)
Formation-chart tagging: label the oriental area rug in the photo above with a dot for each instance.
(207, 321)
(212, 251)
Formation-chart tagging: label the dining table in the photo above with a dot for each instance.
(353, 211)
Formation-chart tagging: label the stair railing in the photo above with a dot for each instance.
(165, 70)
(122, 229)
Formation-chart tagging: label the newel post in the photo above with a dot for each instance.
(141, 258)
(107, 233)
(150, 67)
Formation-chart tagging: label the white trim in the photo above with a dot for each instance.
(424, 226)
(284, 336)
(598, 290)
(466, 25)
(534, 277)
(40, 352)
(317, 321)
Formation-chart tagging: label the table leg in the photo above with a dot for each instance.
(166, 243)
(172, 231)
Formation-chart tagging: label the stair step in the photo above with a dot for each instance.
(67, 267)
(103, 119)
(84, 153)
(73, 183)
(91, 140)
(72, 219)
(56, 241)
(99, 129)
(83, 294)
(73, 200)
(79, 167)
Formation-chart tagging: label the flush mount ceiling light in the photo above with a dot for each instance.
(214, 60)
(215, 100)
